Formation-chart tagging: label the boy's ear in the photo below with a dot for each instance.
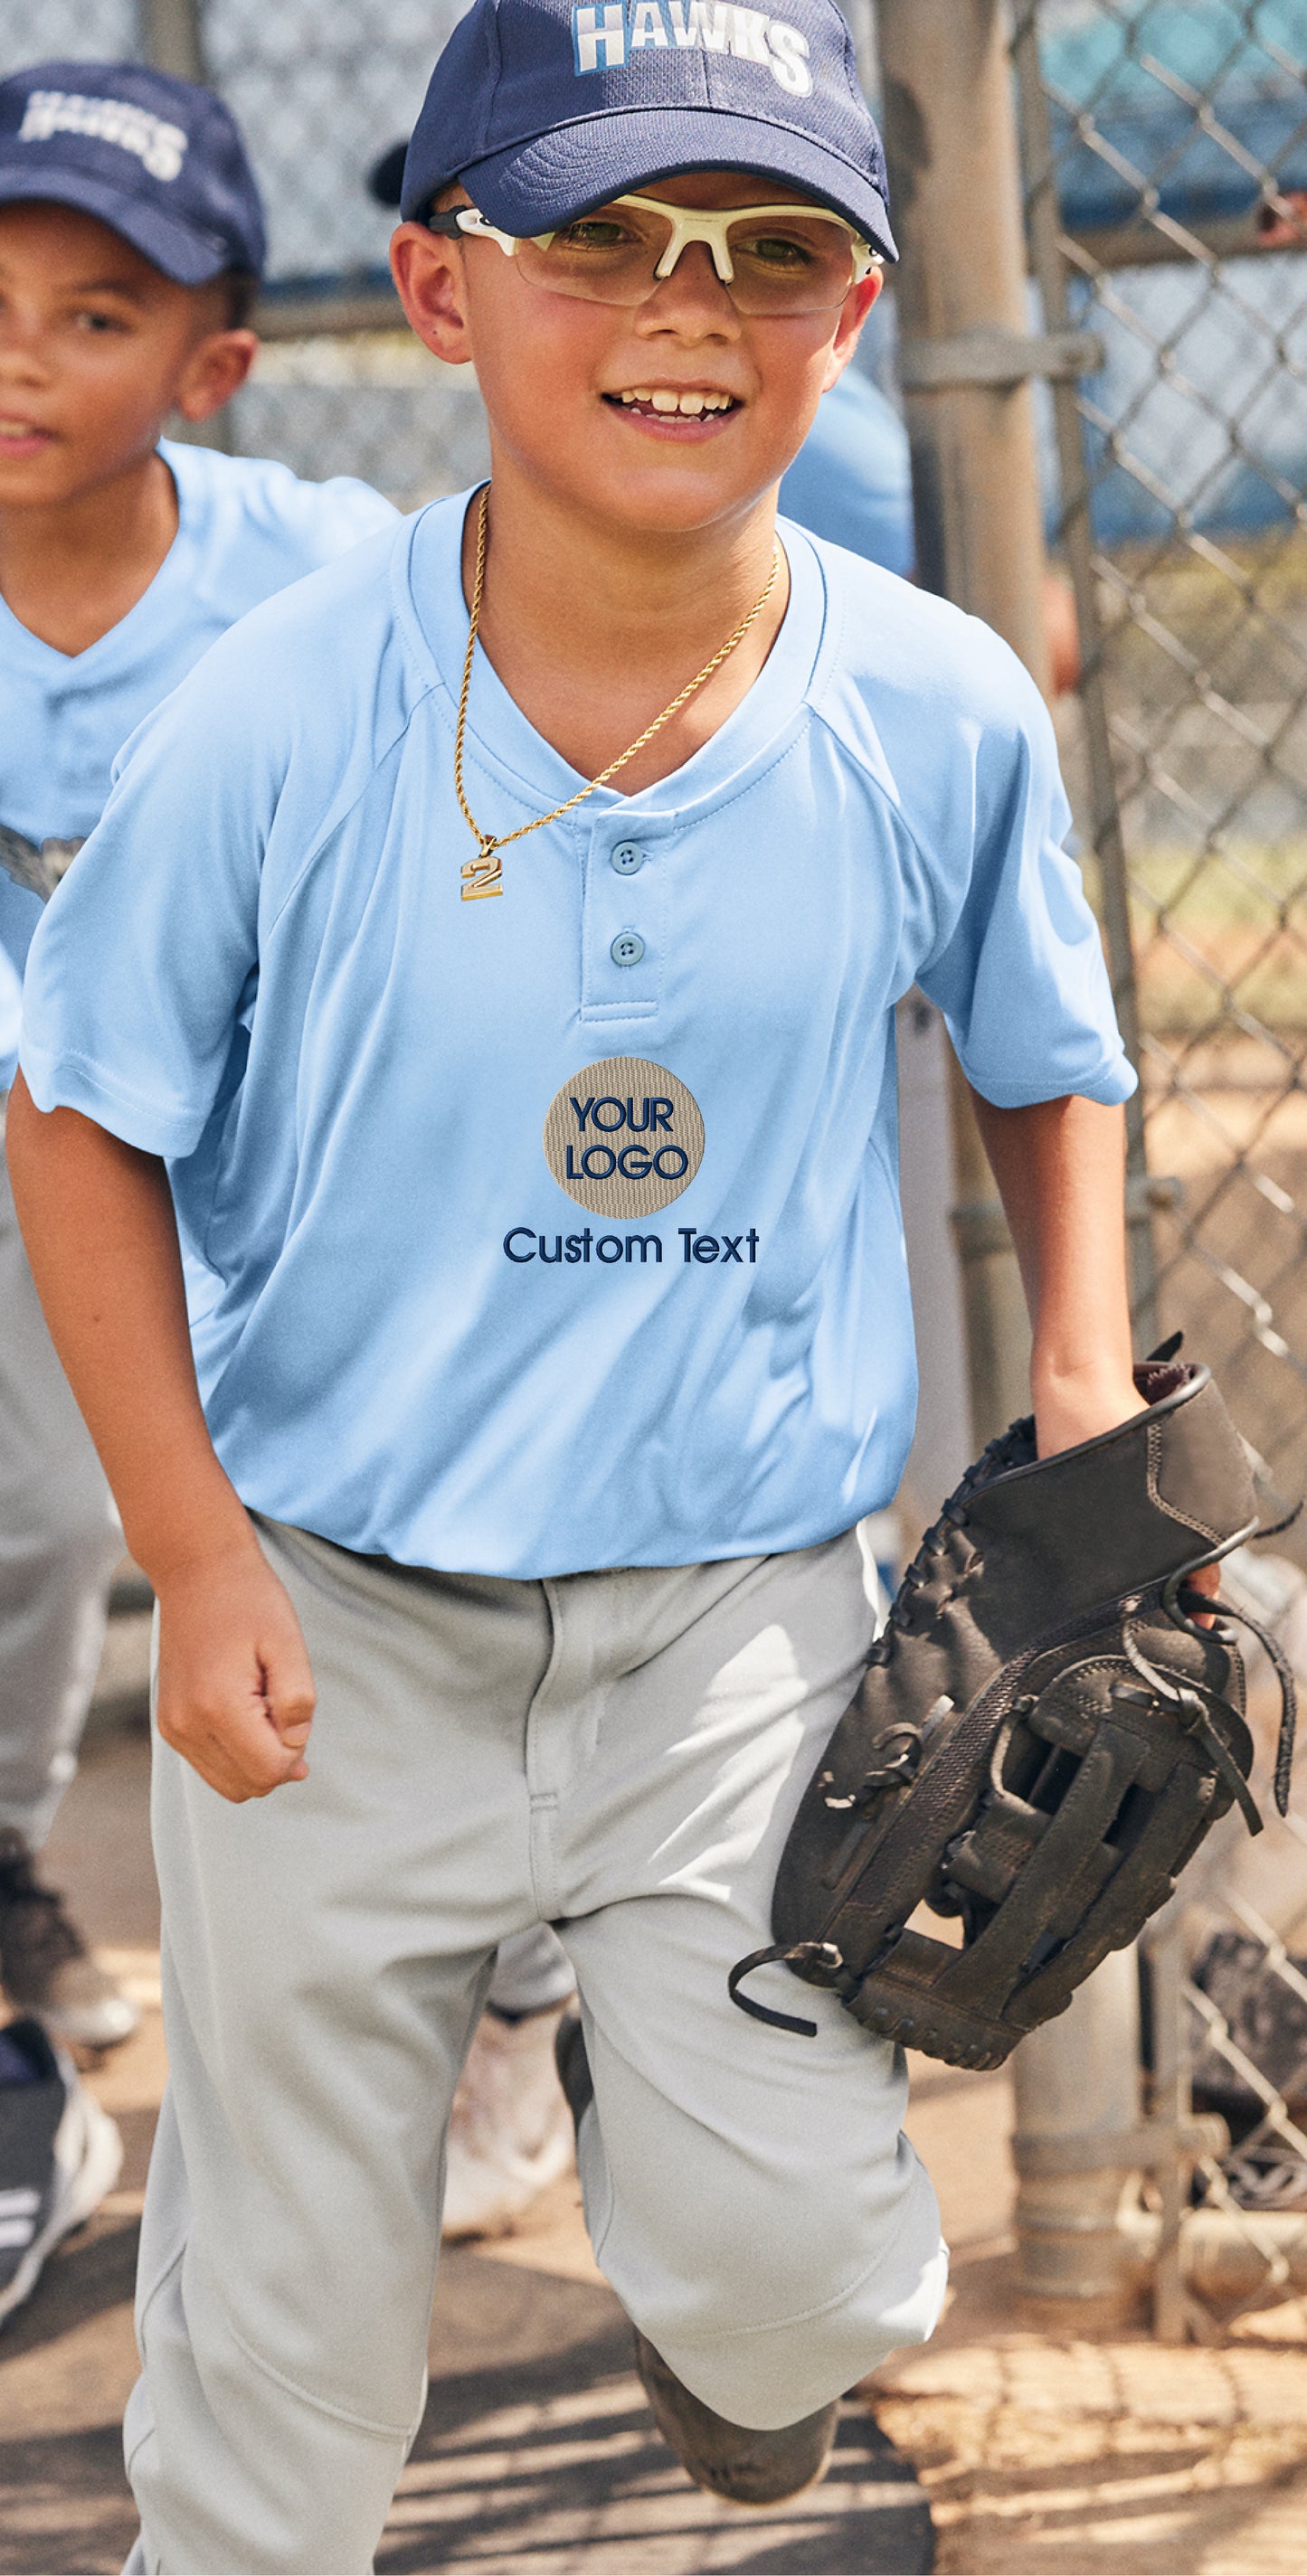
(855, 312)
(216, 369)
(431, 283)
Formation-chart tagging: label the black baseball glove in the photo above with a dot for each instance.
(1043, 1736)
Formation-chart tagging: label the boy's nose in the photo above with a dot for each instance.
(692, 299)
(20, 349)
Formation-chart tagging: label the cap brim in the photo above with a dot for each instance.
(188, 257)
(386, 176)
(547, 180)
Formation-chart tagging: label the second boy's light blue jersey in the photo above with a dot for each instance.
(560, 1229)
(852, 478)
(246, 527)
(11, 1011)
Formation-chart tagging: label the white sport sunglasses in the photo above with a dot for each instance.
(772, 259)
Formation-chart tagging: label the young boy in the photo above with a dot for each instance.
(131, 241)
(559, 1330)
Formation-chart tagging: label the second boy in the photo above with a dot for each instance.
(131, 244)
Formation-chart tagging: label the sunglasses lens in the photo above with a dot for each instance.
(790, 265)
(781, 264)
(607, 258)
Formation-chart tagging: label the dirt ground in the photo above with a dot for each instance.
(1065, 2453)
(1046, 2448)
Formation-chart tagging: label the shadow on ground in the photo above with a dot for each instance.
(64, 2503)
(547, 2464)
(536, 2452)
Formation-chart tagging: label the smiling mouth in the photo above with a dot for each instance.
(664, 402)
(16, 430)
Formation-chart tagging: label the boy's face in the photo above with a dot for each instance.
(96, 348)
(553, 370)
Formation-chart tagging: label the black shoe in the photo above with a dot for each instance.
(731, 2461)
(573, 2066)
(59, 2155)
(45, 1966)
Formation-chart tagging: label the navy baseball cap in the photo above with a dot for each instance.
(544, 108)
(159, 160)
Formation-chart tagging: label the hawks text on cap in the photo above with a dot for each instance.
(606, 34)
(162, 147)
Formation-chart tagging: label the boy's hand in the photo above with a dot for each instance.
(236, 1692)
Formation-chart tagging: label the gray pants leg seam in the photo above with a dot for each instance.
(152, 2294)
(322, 2405)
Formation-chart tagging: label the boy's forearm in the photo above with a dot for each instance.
(98, 1223)
(1060, 1168)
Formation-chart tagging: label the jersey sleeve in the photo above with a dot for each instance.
(1018, 969)
(146, 954)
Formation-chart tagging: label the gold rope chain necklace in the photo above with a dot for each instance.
(484, 874)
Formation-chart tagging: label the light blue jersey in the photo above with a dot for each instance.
(245, 529)
(561, 1230)
(11, 1011)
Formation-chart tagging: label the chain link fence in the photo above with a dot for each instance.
(1166, 176)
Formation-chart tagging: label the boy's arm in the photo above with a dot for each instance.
(235, 1689)
(1060, 1169)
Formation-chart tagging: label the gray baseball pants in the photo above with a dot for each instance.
(59, 1542)
(618, 1753)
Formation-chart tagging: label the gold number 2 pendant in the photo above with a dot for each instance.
(484, 874)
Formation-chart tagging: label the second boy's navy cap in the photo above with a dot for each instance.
(159, 160)
(543, 108)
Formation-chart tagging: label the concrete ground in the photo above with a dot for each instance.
(1044, 2451)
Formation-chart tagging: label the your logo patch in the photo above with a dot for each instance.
(624, 1137)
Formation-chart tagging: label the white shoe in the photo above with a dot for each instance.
(45, 1965)
(511, 2130)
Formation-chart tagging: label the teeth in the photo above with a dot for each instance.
(689, 405)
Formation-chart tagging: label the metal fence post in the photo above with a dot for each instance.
(1076, 535)
(170, 37)
(1170, 2106)
(967, 357)
(951, 142)
(1077, 2083)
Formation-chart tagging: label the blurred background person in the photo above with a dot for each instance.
(131, 247)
